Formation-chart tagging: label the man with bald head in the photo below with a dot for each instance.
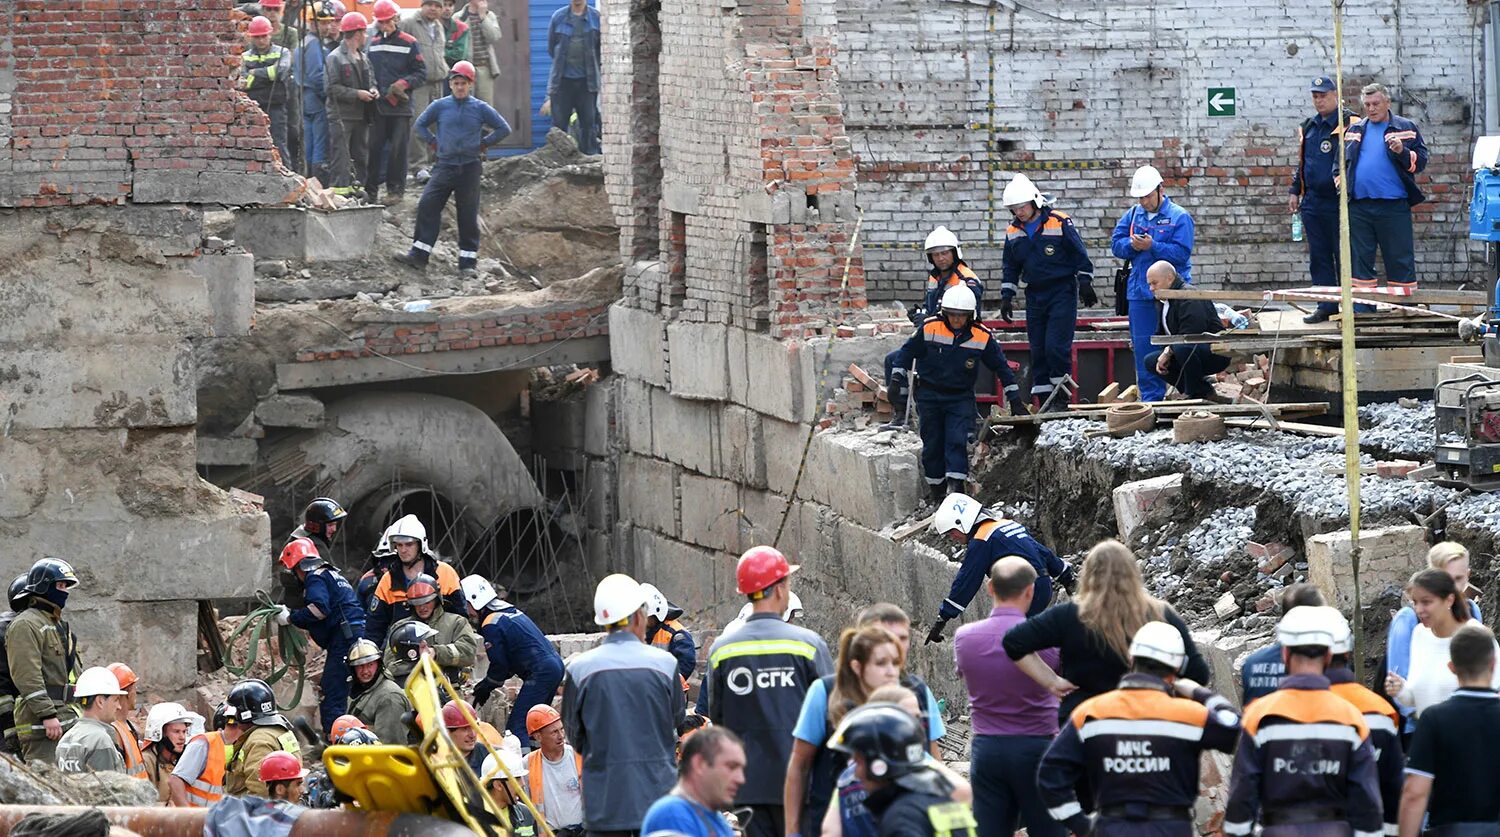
(1188, 366)
(1013, 718)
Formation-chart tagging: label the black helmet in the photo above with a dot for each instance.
(47, 572)
(359, 736)
(221, 717)
(887, 736)
(18, 592)
(252, 702)
(319, 511)
(408, 637)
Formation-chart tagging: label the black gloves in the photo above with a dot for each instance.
(914, 314)
(1018, 407)
(1087, 296)
(1007, 308)
(482, 692)
(936, 634)
(1068, 579)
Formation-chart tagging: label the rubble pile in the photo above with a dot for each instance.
(43, 784)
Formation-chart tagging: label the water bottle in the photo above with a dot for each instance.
(1296, 227)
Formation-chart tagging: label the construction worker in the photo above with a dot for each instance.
(757, 681)
(514, 646)
(905, 794)
(92, 744)
(948, 350)
(168, 726)
(198, 780)
(1313, 193)
(1382, 719)
(461, 129)
(990, 537)
(264, 74)
(16, 596)
(252, 705)
(505, 789)
(413, 558)
(374, 698)
(622, 704)
(1154, 229)
(464, 733)
(1137, 748)
(665, 631)
(43, 658)
(400, 69)
(453, 643)
(1305, 765)
(311, 61)
(350, 84)
(321, 522)
(554, 773)
(282, 774)
(330, 615)
(130, 740)
(1044, 250)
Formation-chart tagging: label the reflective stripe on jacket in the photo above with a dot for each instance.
(208, 788)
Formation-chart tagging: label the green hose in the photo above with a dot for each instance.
(291, 640)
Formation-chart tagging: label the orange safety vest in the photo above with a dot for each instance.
(534, 775)
(130, 746)
(666, 633)
(208, 788)
(447, 580)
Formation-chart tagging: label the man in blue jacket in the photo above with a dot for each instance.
(1155, 229)
(460, 140)
(311, 57)
(573, 83)
(1314, 194)
(514, 645)
(331, 616)
(1384, 154)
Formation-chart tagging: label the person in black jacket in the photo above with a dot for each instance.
(907, 795)
(1187, 366)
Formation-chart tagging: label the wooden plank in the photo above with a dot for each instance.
(1091, 408)
(912, 528)
(1466, 359)
(1300, 428)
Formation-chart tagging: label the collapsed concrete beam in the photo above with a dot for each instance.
(290, 410)
(1134, 501)
(367, 370)
(88, 385)
(227, 452)
(306, 236)
(1388, 557)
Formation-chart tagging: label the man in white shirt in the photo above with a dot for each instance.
(554, 773)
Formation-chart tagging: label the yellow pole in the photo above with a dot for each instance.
(1346, 329)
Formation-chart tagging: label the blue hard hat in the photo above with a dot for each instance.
(1322, 84)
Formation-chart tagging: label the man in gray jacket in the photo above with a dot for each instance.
(622, 705)
(484, 46)
(350, 86)
(427, 27)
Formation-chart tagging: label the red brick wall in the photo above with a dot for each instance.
(470, 333)
(105, 88)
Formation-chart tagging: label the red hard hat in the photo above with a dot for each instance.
(272, 4)
(462, 68)
(300, 549)
(386, 9)
(760, 567)
(281, 766)
(453, 716)
(353, 22)
(258, 26)
(123, 674)
(341, 725)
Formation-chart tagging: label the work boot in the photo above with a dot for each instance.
(957, 486)
(467, 273)
(372, 194)
(395, 198)
(936, 493)
(894, 424)
(1318, 316)
(423, 175)
(410, 261)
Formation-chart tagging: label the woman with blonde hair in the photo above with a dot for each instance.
(1452, 558)
(1092, 632)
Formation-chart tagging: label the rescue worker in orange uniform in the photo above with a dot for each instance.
(203, 768)
(412, 558)
(1380, 716)
(130, 740)
(665, 631)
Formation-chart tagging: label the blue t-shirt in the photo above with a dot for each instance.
(812, 723)
(674, 815)
(1377, 176)
(1262, 673)
(856, 819)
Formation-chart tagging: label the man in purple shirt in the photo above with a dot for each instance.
(1014, 719)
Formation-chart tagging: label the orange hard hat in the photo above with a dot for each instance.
(386, 9)
(343, 724)
(540, 716)
(453, 716)
(353, 22)
(258, 26)
(123, 674)
(759, 568)
(462, 68)
(281, 766)
(300, 553)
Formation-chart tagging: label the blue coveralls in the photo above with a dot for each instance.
(947, 364)
(1171, 230)
(461, 129)
(898, 383)
(1382, 190)
(341, 623)
(516, 646)
(990, 541)
(310, 59)
(1313, 183)
(1049, 256)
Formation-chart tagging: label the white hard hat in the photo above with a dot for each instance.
(793, 608)
(941, 238)
(408, 527)
(97, 680)
(167, 713)
(959, 298)
(1020, 190)
(656, 603)
(957, 511)
(1309, 626)
(515, 765)
(1160, 642)
(1144, 181)
(1343, 637)
(617, 598)
(478, 592)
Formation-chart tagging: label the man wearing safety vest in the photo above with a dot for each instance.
(514, 646)
(554, 773)
(202, 770)
(252, 704)
(1380, 716)
(1138, 747)
(43, 659)
(265, 74)
(130, 740)
(413, 558)
(665, 631)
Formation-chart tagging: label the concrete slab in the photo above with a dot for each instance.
(306, 235)
(235, 452)
(710, 513)
(1388, 557)
(290, 410)
(699, 360)
(769, 376)
(633, 425)
(557, 431)
(1134, 501)
(1223, 653)
(637, 344)
(648, 493)
(367, 370)
(871, 478)
(206, 186)
(158, 641)
(685, 431)
(87, 385)
(868, 352)
(599, 494)
(688, 573)
(599, 416)
(742, 449)
(229, 279)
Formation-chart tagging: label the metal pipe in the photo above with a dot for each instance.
(188, 822)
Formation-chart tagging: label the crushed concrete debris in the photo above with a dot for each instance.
(43, 784)
(1398, 430)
